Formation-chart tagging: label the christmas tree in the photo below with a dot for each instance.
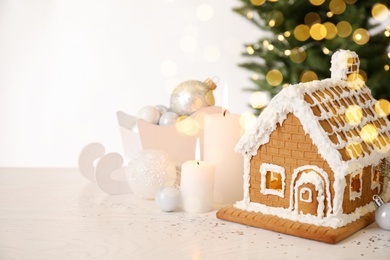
(298, 39)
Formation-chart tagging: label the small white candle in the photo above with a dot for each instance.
(220, 138)
(197, 184)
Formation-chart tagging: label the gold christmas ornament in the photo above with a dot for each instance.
(192, 95)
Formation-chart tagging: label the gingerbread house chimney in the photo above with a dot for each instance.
(345, 65)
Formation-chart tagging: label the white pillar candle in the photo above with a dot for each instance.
(220, 138)
(197, 184)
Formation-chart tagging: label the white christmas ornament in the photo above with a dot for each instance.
(149, 171)
(149, 114)
(192, 95)
(168, 198)
(161, 108)
(382, 213)
(168, 118)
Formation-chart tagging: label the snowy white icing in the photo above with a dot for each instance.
(340, 64)
(326, 98)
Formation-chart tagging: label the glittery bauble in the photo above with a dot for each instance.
(161, 108)
(149, 114)
(149, 171)
(382, 213)
(192, 95)
(168, 198)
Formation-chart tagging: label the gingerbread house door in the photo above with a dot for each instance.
(309, 192)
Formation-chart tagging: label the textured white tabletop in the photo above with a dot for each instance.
(58, 214)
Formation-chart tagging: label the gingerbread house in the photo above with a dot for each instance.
(311, 161)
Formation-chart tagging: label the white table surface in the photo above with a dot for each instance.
(59, 214)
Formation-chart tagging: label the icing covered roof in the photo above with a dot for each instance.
(340, 115)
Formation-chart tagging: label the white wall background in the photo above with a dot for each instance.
(67, 67)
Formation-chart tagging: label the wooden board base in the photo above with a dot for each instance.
(289, 227)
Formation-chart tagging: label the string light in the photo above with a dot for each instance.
(249, 15)
(280, 37)
(250, 50)
(325, 50)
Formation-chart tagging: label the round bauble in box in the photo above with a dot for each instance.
(161, 108)
(148, 171)
(192, 95)
(168, 118)
(149, 114)
(168, 198)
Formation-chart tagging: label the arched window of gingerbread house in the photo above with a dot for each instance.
(355, 187)
(272, 179)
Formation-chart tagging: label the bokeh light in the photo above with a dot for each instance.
(257, 2)
(382, 107)
(275, 18)
(204, 12)
(274, 77)
(312, 18)
(297, 55)
(353, 115)
(380, 12)
(337, 6)
(317, 2)
(247, 120)
(344, 29)
(259, 99)
(318, 31)
(308, 75)
(369, 133)
(302, 32)
(361, 36)
(331, 30)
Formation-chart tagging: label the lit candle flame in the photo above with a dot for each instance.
(225, 96)
(197, 151)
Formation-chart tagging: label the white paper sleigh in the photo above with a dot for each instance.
(138, 134)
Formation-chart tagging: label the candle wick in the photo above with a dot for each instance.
(224, 112)
(197, 162)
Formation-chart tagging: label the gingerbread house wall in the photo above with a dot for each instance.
(291, 148)
(367, 191)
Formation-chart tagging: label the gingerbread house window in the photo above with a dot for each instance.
(272, 179)
(375, 178)
(355, 187)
